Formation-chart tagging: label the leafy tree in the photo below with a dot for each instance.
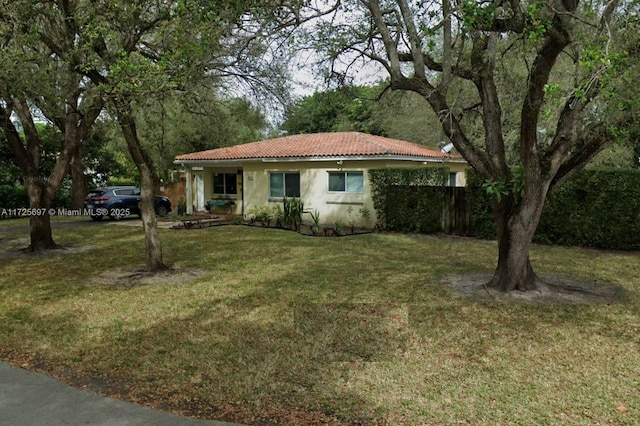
(34, 80)
(141, 51)
(369, 109)
(568, 63)
(194, 122)
(342, 109)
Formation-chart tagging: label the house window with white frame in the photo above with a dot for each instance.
(225, 184)
(350, 182)
(284, 184)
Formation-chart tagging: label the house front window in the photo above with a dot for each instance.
(225, 184)
(452, 179)
(352, 182)
(284, 184)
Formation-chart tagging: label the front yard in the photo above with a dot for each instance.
(262, 326)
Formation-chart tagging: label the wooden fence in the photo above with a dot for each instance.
(456, 217)
(174, 191)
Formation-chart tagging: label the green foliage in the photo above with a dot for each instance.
(338, 228)
(13, 197)
(596, 208)
(315, 217)
(182, 206)
(619, 155)
(480, 205)
(197, 121)
(496, 188)
(345, 109)
(409, 200)
(364, 213)
(369, 109)
(503, 187)
(292, 209)
(261, 214)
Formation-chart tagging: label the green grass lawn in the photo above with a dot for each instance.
(269, 324)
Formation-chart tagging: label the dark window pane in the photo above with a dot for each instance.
(336, 182)
(218, 183)
(276, 185)
(292, 184)
(230, 183)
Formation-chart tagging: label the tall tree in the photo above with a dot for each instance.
(34, 80)
(570, 62)
(342, 109)
(196, 121)
(139, 50)
(371, 109)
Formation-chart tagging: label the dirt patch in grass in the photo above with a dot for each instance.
(18, 248)
(554, 290)
(141, 277)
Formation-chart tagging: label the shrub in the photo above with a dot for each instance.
(409, 200)
(596, 208)
(261, 214)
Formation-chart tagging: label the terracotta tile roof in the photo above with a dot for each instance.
(318, 145)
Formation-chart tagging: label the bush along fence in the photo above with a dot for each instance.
(410, 200)
(14, 196)
(596, 208)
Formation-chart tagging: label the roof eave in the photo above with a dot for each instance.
(386, 157)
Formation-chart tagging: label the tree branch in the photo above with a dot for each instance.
(595, 139)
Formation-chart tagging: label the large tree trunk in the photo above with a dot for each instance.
(40, 233)
(41, 237)
(150, 225)
(516, 223)
(78, 180)
(147, 188)
(514, 270)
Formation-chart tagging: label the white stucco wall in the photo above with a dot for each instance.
(253, 187)
(314, 187)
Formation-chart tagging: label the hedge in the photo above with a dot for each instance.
(15, 197)
(596, 208)
(409, 200)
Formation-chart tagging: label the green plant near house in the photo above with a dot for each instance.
(365, 214)
(338, 228)
(182, 206)
(351, 219)
(292, 209)
(261, 214)
(315, 218)
(278, 215)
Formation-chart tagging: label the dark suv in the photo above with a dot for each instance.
(120, 201)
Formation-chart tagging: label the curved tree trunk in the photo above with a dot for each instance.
(147, 188)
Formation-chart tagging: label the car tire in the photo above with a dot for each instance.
(96, 217)
(162, 210)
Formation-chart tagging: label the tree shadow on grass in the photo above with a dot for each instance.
(352, 332)
(228, 361)
(235, 360)
(553, 289)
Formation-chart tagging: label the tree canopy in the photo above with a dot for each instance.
(528, 91)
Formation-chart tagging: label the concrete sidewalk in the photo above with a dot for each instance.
(31, 399)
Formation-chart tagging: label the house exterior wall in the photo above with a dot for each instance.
(342, 207)
(333, 207)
